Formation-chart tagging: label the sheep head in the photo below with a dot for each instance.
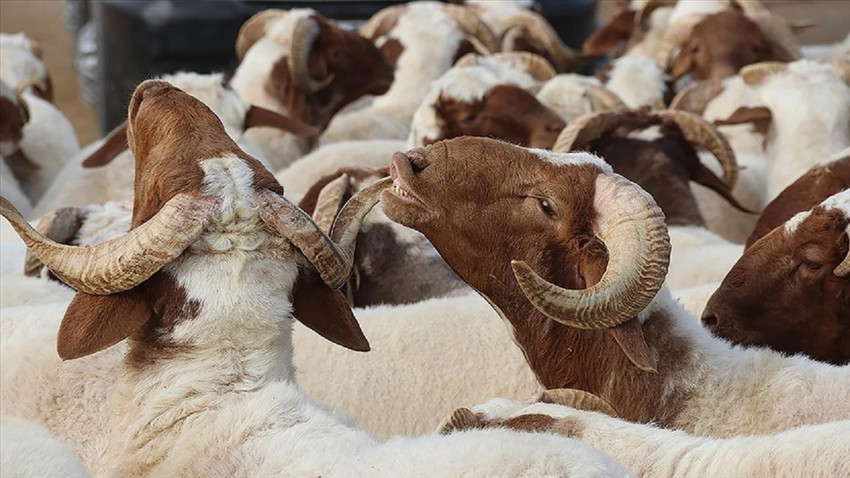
(791, 288)
(185, 164)
(555, 228)
(14, 115)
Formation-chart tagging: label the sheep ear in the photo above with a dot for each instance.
(113, 145)
(95, 322)
(618, 29)
(629, 336)
(258, 116)
(681, 63)
(326, 312)
(759, 116)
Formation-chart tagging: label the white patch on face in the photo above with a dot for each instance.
(792, 224)
(567, 95)
(840, 201)
(572, 159)
(649, 134)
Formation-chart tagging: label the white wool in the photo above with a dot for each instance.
(576, 158)
(835, 51)
(17, 61)
(567, 95)
(698, 257)
(811, 450)
(638, 81)
(11, 190)
(28, 450)
(683, 10)
(840, 201)
(694, 299)
(17, 289)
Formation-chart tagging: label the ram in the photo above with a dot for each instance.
(574, 257)
(191, 403)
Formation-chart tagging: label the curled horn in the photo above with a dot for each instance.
(696, 96)
(843, 269)
(571, 397)
(124, 262)
(333, 259)
(61, 225)
(757, 72)
(303, 36)
(632, 227)
(39, 88)
(382, 22)
(257, 116)
(254, 29)
(563, 57)
(643, 14)
(602, 98)
(329, 202)
(535, 65)
(585, 129)
(469, 22)
(701, 132)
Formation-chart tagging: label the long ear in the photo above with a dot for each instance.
(758, 115)
(113, 145)
(95, 322)
(629, 336)
(326, 312)
(681, 63)
(705, 177)
(257, 116)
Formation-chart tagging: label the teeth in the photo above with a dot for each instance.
(399, 191)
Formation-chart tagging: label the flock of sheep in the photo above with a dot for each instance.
(649, 266)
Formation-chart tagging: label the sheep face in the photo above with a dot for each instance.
(785, 293)
(721, 44)
(448, 190)
(13, 117)
(506, 112)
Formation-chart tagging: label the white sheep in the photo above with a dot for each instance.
(638, 81)
(231, 407)
(28, 450)
(572, 95)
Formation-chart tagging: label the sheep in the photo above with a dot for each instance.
(566, 216)
(422, 40)
(638, 81)
(235, 409)
(10, 188)
(280, 51)
(21, 65)
(35, 140)
(656, 151)
(811, 450)
(29, 451)
(635, 29)
(104, 171)
(789, 290)
(820, 182)
(573, 95)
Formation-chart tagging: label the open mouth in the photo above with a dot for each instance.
(400, 188)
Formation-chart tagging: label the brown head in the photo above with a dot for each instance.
(819, 183)
(317, 67)
(14, 115)
(553, 227)
(174, 137)
(791, 289)
(657, 150)
(721, 43)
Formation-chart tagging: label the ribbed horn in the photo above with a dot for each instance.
(701, 132)
(61, 226)
(757, 72)
(255, 28)
(332, 259)
(382, 22)
(469, 22)
(571, 397)
(535, 65)
(632, 227)
(564, 58)
(303, 36)
(329, 203)
(843, 269)
(585, 129)
(124, 262)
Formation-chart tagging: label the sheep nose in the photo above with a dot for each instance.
(556, 126)
(709, 321)
(417, 160)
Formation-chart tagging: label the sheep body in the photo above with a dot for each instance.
(29, 451)
(638, 81)
(699, 256)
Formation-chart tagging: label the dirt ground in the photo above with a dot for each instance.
(42, 20)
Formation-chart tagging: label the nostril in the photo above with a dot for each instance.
(709, 321)
(556, 127)
(417, 160)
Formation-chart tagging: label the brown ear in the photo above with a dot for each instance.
(95, 322)
(629, 336)
(257, 116)
(681, 63)
(618, 29)
(759, 116)
(326, 312)
(705, 177)
(113, 145)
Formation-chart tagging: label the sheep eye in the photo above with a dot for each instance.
(811, 265)
(546, 207)
(469, 119)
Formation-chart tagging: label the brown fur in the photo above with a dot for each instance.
(392, 49)
(618, 31)
(486, 213)
(808, 191)
(783, 293)
(13, 117)
(720, 44)
(506, 112)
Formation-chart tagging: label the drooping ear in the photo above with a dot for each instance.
(326, 312)
(113, 145)
(258, 116)
(681, 63)
(706, 177)
(629, 336)
(95, 322)
(618, 29)
(759, 116)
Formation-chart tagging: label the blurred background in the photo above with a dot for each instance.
(130, 40)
